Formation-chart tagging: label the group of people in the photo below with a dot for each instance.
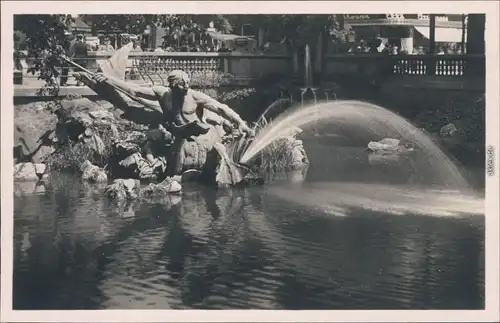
(377, 45)
(205, 48)
(106, 46)
(185, 46)
(193, 48)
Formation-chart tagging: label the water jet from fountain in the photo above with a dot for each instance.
(308, 77)
(374, 120)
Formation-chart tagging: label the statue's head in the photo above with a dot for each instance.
(178, 81)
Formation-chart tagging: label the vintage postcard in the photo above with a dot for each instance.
(230, 161)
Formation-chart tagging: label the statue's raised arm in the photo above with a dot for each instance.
(144, 92)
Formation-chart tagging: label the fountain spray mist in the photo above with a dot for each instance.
(365, 117)
(344, 198)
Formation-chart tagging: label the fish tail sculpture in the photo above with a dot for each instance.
(115, 68)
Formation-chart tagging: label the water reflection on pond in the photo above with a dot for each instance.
(283, 246)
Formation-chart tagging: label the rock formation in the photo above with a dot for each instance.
(93, 173)
(388, 146)
(168, 186)
(448, 130)
(29, 171)
(34, 135)
(123, 189)
(130, 189)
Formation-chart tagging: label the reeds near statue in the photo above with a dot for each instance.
(164, 135)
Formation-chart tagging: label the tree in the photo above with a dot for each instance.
(295, 30)
(182, 26)
(136, 24)
(46, 40)
(475, 33)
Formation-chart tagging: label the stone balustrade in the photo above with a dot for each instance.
(155, 66)
(411, 65)
(151, 67)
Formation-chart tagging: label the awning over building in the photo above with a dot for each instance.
(223, 37)
(234, 41)
(442, 21)
(78, 25)
(443, 35)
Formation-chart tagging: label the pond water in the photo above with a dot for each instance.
(356, 234)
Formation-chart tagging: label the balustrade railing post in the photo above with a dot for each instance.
(474, 65)
(92, 62)
(18, 71)
(225, 65)
(431, 65)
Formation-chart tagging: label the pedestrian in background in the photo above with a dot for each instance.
(79, 54)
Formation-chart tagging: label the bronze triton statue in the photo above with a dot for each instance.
(197, 122)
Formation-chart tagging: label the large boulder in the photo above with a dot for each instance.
(93, 173)
(25, 172)
(299, 158)
(388, 151)
(286, 153)
(389, 146)
(29, 171)
(168, 186)
(131, 189)
(85, 112)
(80, 114)
(34, 126)
(448, 131)
(123, 189)
(88, 123)
(384, 146)
(40, 169)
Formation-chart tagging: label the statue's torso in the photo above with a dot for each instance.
(179, 110)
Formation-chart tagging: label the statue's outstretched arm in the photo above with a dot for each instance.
(148, 93)
(221, 109)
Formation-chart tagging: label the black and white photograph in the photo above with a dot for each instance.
(338, 159)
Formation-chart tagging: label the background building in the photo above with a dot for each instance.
(410, 31)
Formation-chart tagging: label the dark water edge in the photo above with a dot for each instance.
(241, 249)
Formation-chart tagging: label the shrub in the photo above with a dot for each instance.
(70, 157)
(98, 150)
(465, 111)
(276, 158)
(209, 79)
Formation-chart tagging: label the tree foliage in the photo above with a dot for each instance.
(179, 28)
(46, 34)
(136, 24)
(295, 30)
(46, 40)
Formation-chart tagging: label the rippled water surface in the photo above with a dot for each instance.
(354, 235)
